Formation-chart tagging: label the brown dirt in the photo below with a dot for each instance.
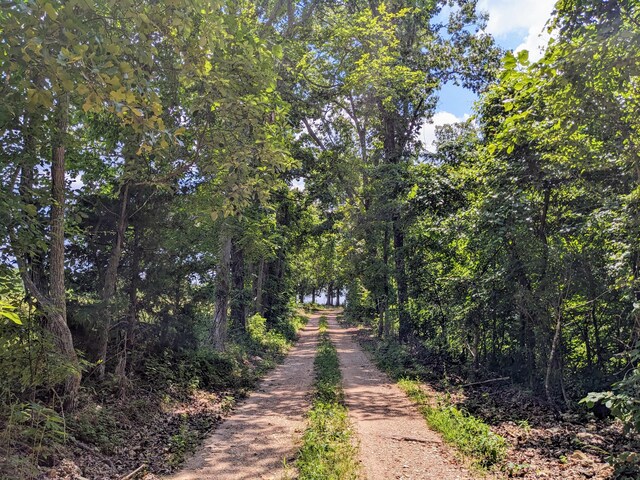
(395, 442)
(263, 433)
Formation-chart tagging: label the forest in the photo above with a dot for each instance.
(181, 181)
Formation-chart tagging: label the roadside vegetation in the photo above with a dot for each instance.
(501, 427)
(174, 399)
(328, 451)
(172, 172)
(468, 434)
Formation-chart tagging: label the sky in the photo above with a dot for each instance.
(515, 25)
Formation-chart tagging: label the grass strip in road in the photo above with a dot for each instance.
(328, 452)
(467, 433)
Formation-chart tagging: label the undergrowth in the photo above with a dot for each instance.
(327, 452)
(469, 434)
(34, 435)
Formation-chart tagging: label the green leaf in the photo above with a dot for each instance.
(51, 11)
(523, 57)
(509, 61)
(10, 315)
(277, 51)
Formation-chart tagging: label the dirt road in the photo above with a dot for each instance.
(395, 442)
(264, 431)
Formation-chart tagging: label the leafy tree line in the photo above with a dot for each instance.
(513, 248)
(149, 153)
(144, 202)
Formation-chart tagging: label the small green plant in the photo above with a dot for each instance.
(97, 425)
(323, 324)
(469, 434)
(626, 466)
(624, 399)
(182, 443)
(327, 452)
(524, 425)
(516, 469)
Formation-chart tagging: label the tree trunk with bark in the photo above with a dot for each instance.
(239, 304)
(57, 313)
(132, 313)
(111, 278)
(218, 333)
(259, 286)
(404, 327)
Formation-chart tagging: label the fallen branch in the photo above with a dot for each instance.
(412, 439)
(134, 473)
(486, 381)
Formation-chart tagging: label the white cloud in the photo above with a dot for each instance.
(427, 133)
(507, 16)
(536, 43)
(513, 17)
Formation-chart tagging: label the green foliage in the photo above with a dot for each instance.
(512, 249)
(98, 425)
(626, 466)
(8, 311)
(28, 360)
(624, 400)
(278, 338)
(469, 434)
(33, 429)
(328, 451)
(182, 443)
(239, 366)
(395, 359)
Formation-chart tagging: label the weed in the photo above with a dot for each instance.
(469, 434)
(182, 443)
(626, 466)
(524, 425)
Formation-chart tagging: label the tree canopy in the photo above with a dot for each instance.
(173, 171)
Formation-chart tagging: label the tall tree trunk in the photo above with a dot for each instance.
(238, 297)
(475, 348)
(329, 301)
(313, 295)
(33, 258)
(596, 333)
(259, 287)
(404, 327)
(384, 311)
(132, 313)
(555, 345)
(218, 334)
(57, 315)
(634, 254)
(111, 278)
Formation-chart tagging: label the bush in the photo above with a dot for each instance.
(624, 399)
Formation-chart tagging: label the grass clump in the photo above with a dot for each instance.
(327, 452)
(469, 434)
